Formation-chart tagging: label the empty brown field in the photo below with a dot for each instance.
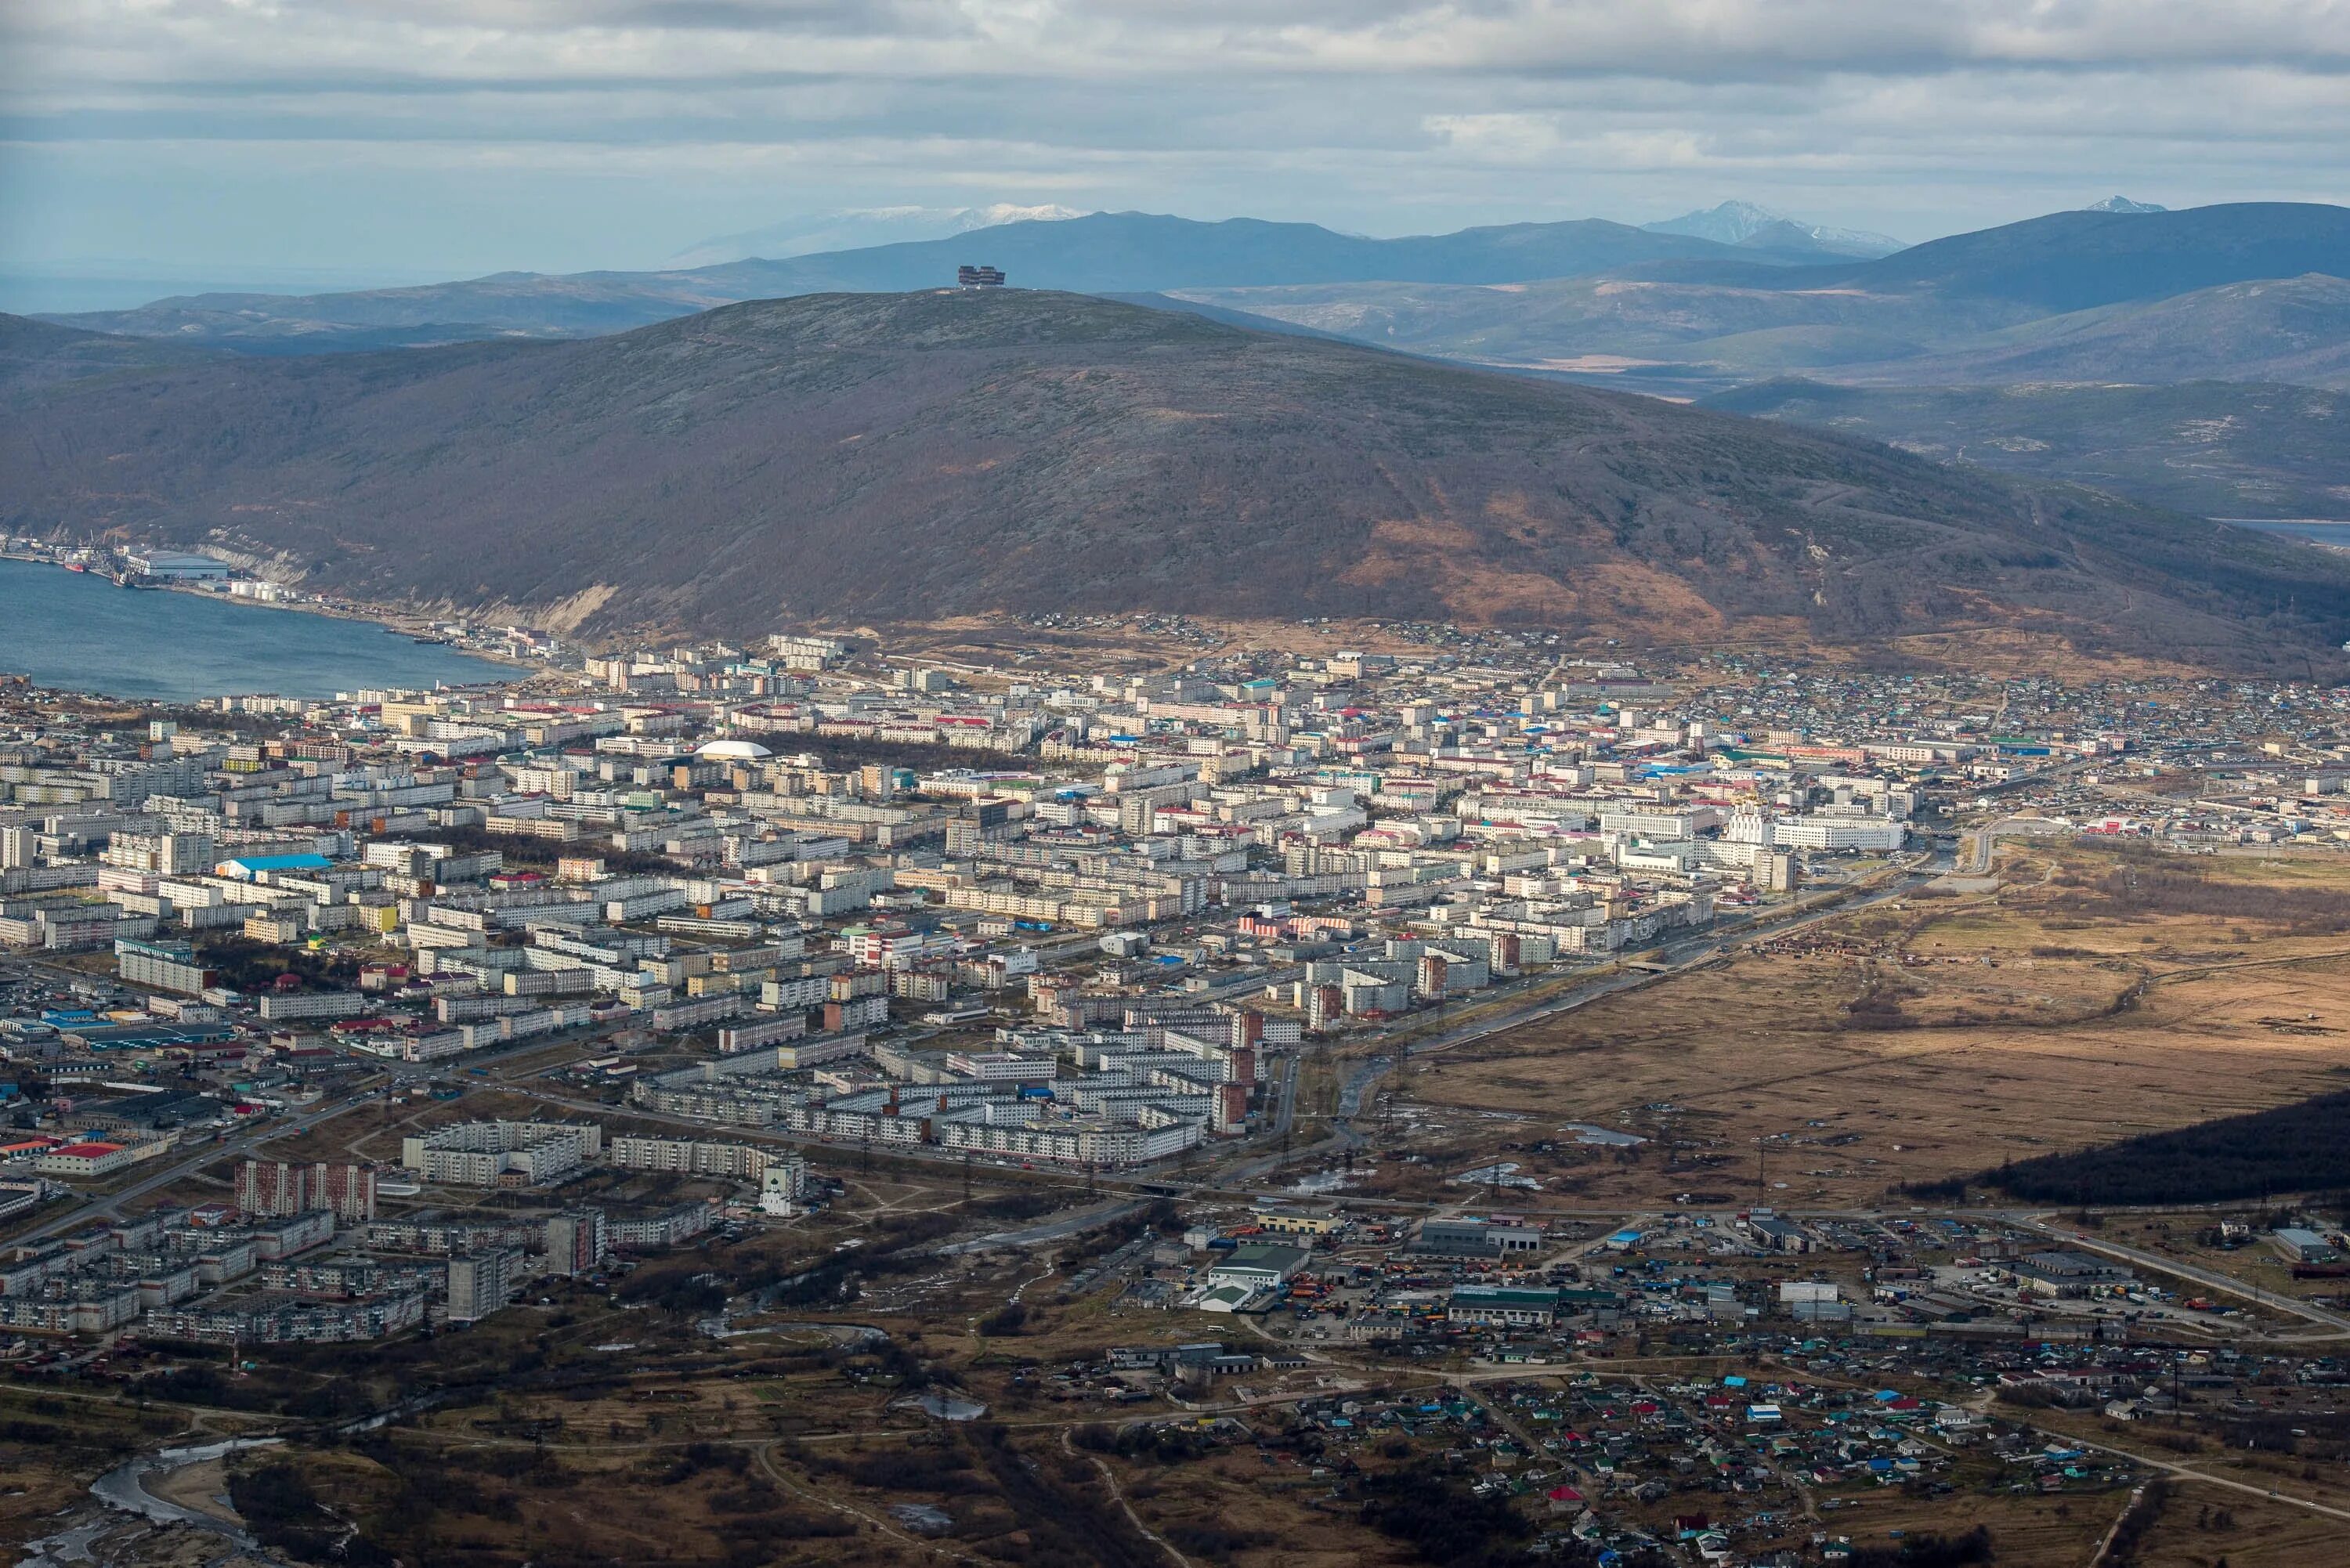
(2091, 997)
(2029, 1532)
(1234, 1507)
(2202, 1526)
(2013, 651)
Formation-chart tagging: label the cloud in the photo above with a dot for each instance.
(159, 42)
(1374, 114)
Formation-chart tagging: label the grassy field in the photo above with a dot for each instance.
(2211, 1514)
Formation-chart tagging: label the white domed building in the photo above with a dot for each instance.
(732, 752)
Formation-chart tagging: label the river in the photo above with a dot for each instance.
(124, 1490)
(79, 632)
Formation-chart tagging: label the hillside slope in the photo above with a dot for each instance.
(35, 354)
(1664, 326)
(2073, 260)
(2214, 449)
(2287, 329)
(919, 455)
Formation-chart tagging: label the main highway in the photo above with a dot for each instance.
(1674, 957)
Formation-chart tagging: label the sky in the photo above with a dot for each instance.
(153, 145)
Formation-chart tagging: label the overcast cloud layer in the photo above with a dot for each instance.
(305, 141)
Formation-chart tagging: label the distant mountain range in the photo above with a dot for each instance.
(1759, 228)
(1925, 299)
(2073, 261)
(860, 229)
(2112, 322)
(2236, 292)
(2118, 329)
(1102, 252)
(2129, 296)
(917, 455)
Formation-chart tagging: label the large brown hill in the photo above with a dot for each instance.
(911, 456)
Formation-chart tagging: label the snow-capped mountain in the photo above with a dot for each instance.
(1745, 224)
(2123, 204)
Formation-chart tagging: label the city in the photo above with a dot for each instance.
(848, 784)
(336, 1022)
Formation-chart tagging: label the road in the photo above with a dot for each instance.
(1677, 958)
(1699, 947)
(1284, 1116)
(2189, 1472)
(369, 1093)
(1057, 1228)
(110, 1206)
(2208, 1279)
(1983, 844)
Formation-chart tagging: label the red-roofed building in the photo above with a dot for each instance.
(85, 1159)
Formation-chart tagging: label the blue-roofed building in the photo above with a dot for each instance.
(252, 867)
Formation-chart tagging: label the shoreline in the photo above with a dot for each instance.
(390, 619)
(112, 651)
